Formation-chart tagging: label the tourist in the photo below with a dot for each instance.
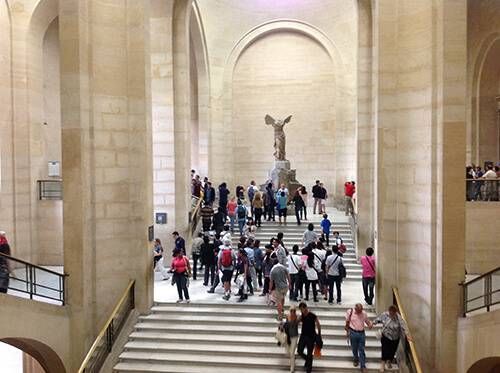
(240, 192)
(195, 252)
(393, 327)
(270, 202)
(325, 228)
(241, 215)
(207, 214)
(469, 175)
(316, 191)
(181, 269)
(291, 328)
(258, 208)
(208, 259)
(299, 205)
(280, 252)
(311, 274)
(196, 187)
(231, 212)
(323, 195)
(319, 253)
(349, 189)
(5, 267)
(279, 237)
(180, 243)
(250, 229)
(293, 269)
(281, 202)
(209, 193)
(368, 275)
(284, 189)
(246, 282)
(303, 194)
(308, 336)
(267, 265)
(251, 190)
(223, 196)
(226, 263)
(218, 270)
(252, 272)
(258, 256)
(157, 252)
(3, 238)
(279, 282)
(309, 235)
(356, 319)
(490, 191)
(333, 263)
(219, 221)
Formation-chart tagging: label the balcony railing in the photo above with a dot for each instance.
(50, 190)
(483, 292)
(486, 190)
(103, 344)
(407, 356)
(35, 281)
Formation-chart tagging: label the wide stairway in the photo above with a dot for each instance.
(212, 335)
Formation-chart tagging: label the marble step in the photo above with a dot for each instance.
(224, 349)
(327, 332)
(228, 320)
(234, 362)
(234, 339)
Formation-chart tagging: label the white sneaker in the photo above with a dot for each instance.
(188, 301)
(179, 301)
(389, 365)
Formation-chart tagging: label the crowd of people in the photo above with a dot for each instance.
(483, 184)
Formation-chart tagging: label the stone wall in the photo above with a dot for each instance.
(482, 236)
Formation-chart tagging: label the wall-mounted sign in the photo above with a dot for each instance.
(54, 169)
(161, 218)
(151, 233)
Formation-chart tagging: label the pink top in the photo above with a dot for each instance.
(368, 264)
(357, 320)
(231, 208)
(179, 264)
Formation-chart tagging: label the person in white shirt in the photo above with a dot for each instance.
(491, 185)
(333, 263)
(283, 188)
(312, 276)
(319, 261)
(293, 269)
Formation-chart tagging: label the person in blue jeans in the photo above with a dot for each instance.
(356, 320)
(241, 215)
(281, 201)
(325, 227)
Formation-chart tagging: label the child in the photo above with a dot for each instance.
(325, 226)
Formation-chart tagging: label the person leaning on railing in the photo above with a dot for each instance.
(393, 328)
(5, 268)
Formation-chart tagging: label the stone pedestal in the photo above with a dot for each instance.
(283, 174)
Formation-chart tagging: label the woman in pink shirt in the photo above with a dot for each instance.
(368, 275)
(181, 268)
(231, 212)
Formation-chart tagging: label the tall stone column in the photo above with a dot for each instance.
(107, 160)
(419, 66)
(182, 112)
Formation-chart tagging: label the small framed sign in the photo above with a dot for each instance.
(161, 218)
(54, 169)
(151, 233)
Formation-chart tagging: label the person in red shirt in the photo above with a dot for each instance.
(3, 238)
(349, 190)
(181, 268)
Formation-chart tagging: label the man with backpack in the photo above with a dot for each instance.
(226, 263)
(241, 215)
(251, 190)
(334, 265)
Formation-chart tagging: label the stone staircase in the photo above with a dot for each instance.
(210, 335)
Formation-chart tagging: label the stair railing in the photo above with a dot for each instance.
(407, 353)
(483, 292)
(103, 344)
(35, 281)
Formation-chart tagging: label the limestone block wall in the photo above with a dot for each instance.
(482, 237)
(478, 338)
(483, 79)
(284, 74)
(336, 22)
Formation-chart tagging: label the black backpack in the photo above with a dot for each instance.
(242, 212)
(342, 270)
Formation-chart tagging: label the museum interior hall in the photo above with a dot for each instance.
(142, 140)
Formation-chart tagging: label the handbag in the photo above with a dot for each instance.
(280, 336)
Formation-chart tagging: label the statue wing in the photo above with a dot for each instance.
(269, 119)
(288, 119)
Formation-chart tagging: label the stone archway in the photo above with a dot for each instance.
(486, 365)
(46, 356)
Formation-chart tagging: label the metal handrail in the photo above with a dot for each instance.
(31, 282)
(109, 331)
(487, 293)
(413, 349)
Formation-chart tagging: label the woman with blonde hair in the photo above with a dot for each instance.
(291, 328)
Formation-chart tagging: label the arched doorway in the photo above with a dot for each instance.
(486, 365)
(45, 358)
